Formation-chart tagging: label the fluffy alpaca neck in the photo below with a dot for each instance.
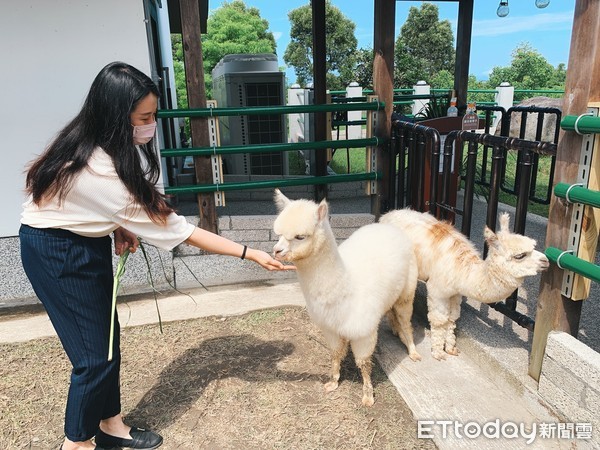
(486, 282)
(323, 271)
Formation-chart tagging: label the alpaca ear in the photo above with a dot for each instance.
(490, 237)
(504, 220)
(281, 201)
(323, 211)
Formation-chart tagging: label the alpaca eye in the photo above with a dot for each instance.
(300, 237)
(520, 256)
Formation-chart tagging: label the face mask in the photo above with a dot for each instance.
(143, 133)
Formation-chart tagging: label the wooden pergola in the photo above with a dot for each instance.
(554, 312)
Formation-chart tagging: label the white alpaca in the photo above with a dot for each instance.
(348, 289)
(451, 267)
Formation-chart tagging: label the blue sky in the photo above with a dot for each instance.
(548, 30)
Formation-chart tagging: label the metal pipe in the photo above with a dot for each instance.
(573, 263)
(283, 147)
(523, 194)
(392, 170)
(577, 194)
(194, 189)
(492, 211)
(520, 319)
(470, 185)
(268, 110)
(401, 181)
(448, 155)
(585, 124)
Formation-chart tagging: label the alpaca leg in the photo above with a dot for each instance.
(363, 350)
(402, 312)
(394, 324)
(437, 315)
(454, 314)
(339, 349)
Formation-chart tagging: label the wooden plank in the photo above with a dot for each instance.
(194, 81)
(555, 312)
(383, 86)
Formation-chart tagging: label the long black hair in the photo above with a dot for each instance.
(104, 121)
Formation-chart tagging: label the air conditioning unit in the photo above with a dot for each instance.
(246, 80)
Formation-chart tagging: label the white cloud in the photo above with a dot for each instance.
(277, 34)
(511, 25)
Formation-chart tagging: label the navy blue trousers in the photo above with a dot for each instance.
(72, 276)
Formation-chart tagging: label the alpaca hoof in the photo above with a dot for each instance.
(368, 401)
(452, 351)
(415, 356)
(331, 386)
(439, 355)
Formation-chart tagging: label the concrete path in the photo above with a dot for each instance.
(443, 394)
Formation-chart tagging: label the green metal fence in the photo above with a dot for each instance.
(279, 147)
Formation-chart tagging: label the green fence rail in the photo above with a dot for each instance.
(566, 260)
(282, 147)
(269, 110)
(539, 91)
(577, 194)
(584, 124)
(283, 182)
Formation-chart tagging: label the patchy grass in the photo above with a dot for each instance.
(247, 382)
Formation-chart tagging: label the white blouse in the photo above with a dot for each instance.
(98, 203)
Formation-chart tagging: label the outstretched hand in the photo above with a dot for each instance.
(125, 240)
(266, 260)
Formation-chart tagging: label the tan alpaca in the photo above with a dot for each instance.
(348, 289)
(452, 268)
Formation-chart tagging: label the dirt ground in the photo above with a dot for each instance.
(247, 382)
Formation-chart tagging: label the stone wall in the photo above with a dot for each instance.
(184, 267)
(570, 380)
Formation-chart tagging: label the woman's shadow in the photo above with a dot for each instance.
(182, 382)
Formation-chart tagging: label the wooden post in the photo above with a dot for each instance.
(554, 311)
(383, 85)
(320, 90)
(463, 50)
(196, 93)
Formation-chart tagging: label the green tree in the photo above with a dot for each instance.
(424, 48)
(179, 68)
(529, 70)
(232, 28)
(362, 71)
(444, 79)
(340, 42)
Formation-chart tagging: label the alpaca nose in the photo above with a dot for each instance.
(278, 250)
(544, 263)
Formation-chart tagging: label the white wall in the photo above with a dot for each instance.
(51, 51)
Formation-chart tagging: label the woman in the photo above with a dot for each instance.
(96, 178)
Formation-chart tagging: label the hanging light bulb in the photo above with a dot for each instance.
(502, 10)
(542, 3)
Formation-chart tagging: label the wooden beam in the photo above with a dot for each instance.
(320, 90)
(383, 86)
(196, 93)
(463, 50)
(554, 311)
